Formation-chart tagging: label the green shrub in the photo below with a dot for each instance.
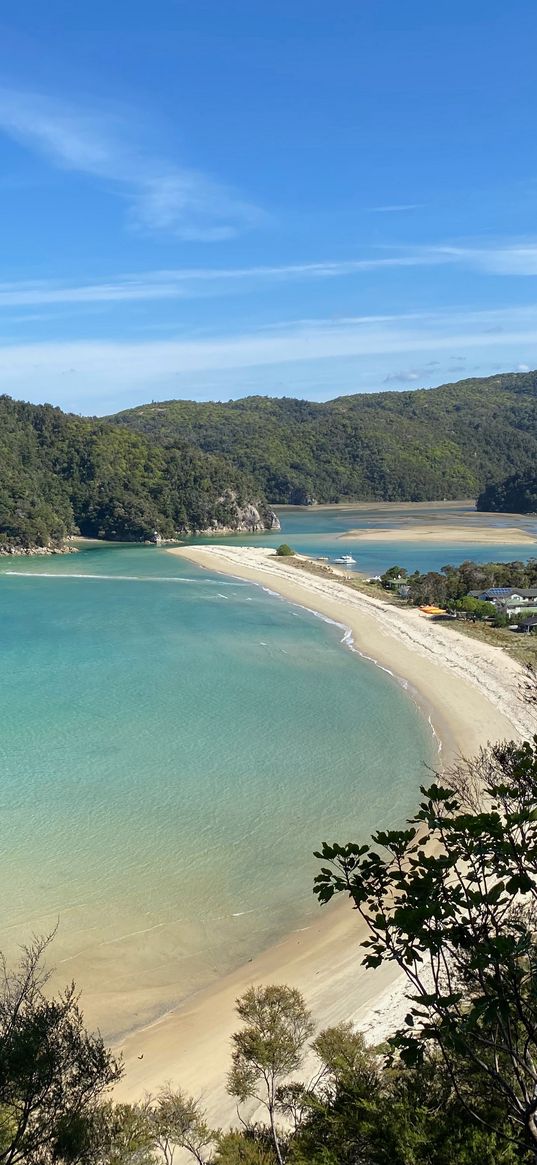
(285, 551)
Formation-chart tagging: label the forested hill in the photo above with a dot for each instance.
(60, 473)
(447, 442)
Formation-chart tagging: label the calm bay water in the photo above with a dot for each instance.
(319, 530)
(174, 745)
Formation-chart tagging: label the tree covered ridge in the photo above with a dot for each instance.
(419, 445)
(60, 473)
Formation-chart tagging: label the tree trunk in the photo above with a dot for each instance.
(275, 1136)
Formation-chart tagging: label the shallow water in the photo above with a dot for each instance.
(318, 531)
(174, 745)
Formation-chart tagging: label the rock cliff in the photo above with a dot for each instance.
(248, 518)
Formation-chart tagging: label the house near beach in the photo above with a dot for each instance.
(509, 600)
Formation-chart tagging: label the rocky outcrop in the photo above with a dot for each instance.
(33, 551)
(156, 539)
(249, 518)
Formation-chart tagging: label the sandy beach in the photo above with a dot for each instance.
(439, 533)
(470, 691)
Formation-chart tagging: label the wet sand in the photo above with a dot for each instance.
(489, 535)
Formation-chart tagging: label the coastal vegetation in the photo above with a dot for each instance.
(61, 474)
(53, 1073)
(450, 587)
(421, 445)
(515, 495)
(354, 1103)
(285, 551)
(451, 900)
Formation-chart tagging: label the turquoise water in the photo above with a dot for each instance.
(174, 745)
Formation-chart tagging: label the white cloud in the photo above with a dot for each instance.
(405, 376)
(161, 195)
(522, 367)
(100, 367)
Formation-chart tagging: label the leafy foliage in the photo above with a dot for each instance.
(60, 473)
(361, 1108)
(447, 442)
(176, 1121)
(451, 584)
(247, 1147)
(515, 495)
(119, 1134)
(52, 1072)
(452, 900)
(269, 1047)
(285, 551)
(359, 1105)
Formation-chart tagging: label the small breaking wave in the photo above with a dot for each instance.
(124, 578)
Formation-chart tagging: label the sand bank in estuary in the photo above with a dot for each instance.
(470, 690)
(497, 535)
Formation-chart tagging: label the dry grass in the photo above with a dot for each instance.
(521, 647)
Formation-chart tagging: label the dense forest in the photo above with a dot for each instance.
(61, 473)
(515, 495)
(183, 466)
(427, 444)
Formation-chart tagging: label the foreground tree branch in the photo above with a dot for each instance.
(52, 1071)
(452, 900)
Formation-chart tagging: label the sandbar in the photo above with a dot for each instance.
(491, 535)
(470, 691)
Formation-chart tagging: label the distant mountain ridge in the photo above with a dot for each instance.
(61, 474)
(179, 466)
(419, 445)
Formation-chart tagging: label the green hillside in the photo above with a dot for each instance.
(447, 442)
(60, 473)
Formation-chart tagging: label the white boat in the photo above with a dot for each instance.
(346, 560)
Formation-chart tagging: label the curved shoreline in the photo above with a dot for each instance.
(460, 684)
(441, 730)
(432, 659)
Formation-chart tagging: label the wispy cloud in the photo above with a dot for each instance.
(189, 282)
(161, 195)
(502, 259)
(396, 208)
(131, 288)
(512, 258)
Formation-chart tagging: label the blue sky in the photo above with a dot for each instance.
(212, 198)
